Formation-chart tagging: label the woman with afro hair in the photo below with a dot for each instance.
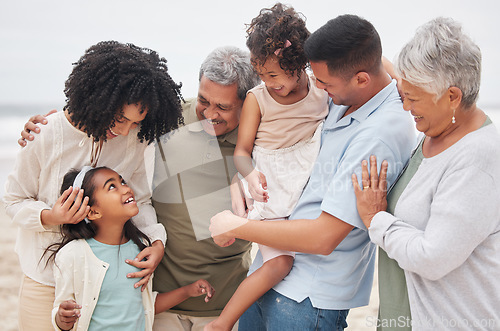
(119, 98)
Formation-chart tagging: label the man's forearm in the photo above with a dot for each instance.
(313, 236)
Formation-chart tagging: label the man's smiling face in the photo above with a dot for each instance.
(218, 107)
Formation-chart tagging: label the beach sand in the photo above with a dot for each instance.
(10, 280)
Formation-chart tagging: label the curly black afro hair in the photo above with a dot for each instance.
(270, 31)
(111, 75)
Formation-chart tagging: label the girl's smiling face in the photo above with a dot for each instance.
(113, 198)
(277, 81)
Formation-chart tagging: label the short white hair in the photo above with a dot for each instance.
(228, 65)
(440, 56)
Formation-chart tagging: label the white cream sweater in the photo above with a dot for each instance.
(79, 275)
(36, 180)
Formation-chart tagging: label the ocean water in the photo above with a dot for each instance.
(13, 118)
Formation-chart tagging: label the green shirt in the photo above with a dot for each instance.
(192, 174)
(394, 307)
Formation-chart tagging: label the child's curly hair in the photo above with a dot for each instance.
(270, 32)
(111, 75)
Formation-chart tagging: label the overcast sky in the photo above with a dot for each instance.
(40, 39)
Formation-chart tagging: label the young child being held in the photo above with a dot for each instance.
(280, 129)
(92, 289)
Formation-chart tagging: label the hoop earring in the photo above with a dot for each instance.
(453, 118)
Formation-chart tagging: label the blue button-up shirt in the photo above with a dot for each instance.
(381, 127)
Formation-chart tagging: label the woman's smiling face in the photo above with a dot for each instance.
(126, 120)
(432, 114)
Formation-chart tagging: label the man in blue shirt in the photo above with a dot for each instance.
(333, 270)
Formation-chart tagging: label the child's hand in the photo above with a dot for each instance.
(201, 287)
(68, 313)
(167, 300)
(257, 185)
(240, 203)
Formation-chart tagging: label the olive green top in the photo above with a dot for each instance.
(191, 181)
(394, 308)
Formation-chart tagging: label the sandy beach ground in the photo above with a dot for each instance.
(10, 279)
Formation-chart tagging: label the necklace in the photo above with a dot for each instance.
(95, 153)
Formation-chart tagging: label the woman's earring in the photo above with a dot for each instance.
(453, 118)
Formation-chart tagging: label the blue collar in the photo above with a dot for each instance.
(335, 119)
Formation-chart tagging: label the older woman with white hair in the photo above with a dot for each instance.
(442, 224)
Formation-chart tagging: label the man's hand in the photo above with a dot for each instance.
(147, 260)
(221, 226)
(31, 126)
(68, 313)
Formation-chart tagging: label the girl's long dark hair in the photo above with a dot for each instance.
(84, 230)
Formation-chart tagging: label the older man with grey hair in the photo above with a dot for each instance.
(193, 171)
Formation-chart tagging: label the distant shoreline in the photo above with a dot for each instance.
(10, 132)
